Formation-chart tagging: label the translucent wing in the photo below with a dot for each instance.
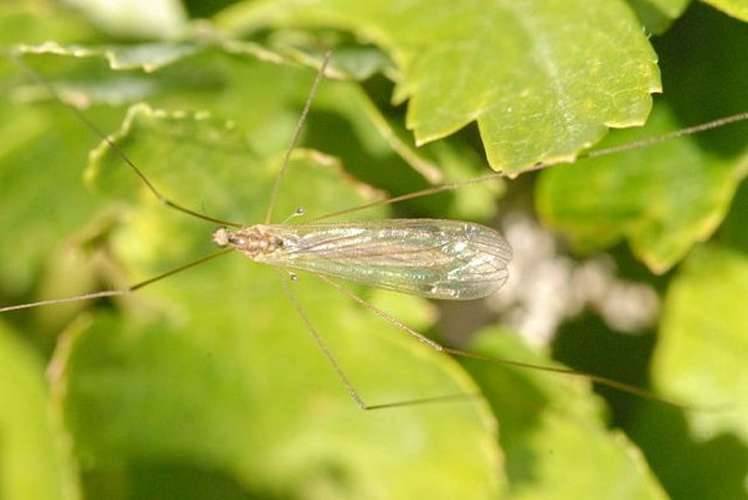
(440, 259)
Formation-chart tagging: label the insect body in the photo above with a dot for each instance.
(439, 259)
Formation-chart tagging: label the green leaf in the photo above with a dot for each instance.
(542, 79)
(553, 429)
(658, 15)
(153, 19)
(703, 327)
(662, 199)
(734, 8)
(36, 459)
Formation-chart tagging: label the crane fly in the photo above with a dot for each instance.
(432, 258)
(437, 259)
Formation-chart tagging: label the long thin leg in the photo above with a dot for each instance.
(16, 58)
(295, 137)
(630, 389)
(116, 293)
(350, 389)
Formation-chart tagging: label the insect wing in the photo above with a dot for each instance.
(440, 259)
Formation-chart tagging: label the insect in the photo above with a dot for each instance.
(244, 349)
